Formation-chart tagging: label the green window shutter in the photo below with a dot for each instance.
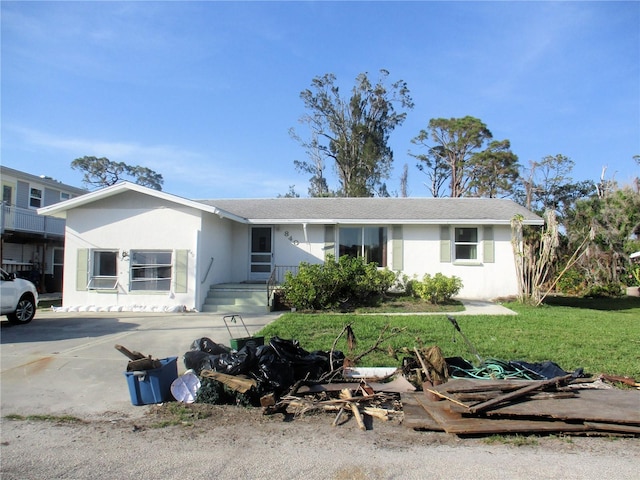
(181, 270)
(489, 255)
(82, 269)
(329, 241)
(397, 245)
(445, 244)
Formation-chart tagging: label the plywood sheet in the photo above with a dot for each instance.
(454, 422)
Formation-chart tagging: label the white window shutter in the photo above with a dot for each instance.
(82, 269)
(445, 244)
(181, 271)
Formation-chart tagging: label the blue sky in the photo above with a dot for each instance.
(205, 92)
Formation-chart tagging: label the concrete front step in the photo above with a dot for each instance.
(236, 298)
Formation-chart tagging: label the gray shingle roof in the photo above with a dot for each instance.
(372, 210)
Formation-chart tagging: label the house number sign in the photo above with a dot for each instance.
(290, 237)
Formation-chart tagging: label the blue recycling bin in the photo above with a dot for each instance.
(153, 386)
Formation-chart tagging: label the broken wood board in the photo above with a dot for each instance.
(564, 411)
(454, 422)
(611, 406)
(608, 427)
(236, 383)
(416, 417)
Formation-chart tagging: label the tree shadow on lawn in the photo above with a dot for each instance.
(604, 304)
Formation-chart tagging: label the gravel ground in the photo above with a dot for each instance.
(234, 442)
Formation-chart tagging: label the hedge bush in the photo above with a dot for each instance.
(345, 284)
(436, 289)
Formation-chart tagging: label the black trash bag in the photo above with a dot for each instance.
(207, 345)
(305, 365)
(273, 373)
(232, 363)
(542, 371)
(243, 361)
(197, 361)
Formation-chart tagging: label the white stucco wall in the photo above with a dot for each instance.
(128, 222)
(481, 280)
(291, 246)
(421, 254)
(216, 241)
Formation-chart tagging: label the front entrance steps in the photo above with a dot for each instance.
(239, 298)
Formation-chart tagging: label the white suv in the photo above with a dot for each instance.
(19, 298)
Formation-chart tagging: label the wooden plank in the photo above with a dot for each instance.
(521, 392)
(455, 422)
(608, 427)
(416, 417)
(591, 405)
(473, 385)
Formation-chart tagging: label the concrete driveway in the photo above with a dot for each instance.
(66, 363)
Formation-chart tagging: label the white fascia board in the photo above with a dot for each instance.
(60, 209)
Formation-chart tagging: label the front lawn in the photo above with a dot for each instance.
(599, 335)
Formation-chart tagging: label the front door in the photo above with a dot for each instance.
(261, 254)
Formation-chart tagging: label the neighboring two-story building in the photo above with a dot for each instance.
(32, 245)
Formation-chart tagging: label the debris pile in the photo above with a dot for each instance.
(428, 392)
(560, 405)
(282, 377)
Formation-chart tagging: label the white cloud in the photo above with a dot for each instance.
(195, 174)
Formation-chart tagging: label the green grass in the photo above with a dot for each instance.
(178, 414)
(46, 418)
(513, 440)
(599, 335)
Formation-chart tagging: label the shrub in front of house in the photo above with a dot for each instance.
(347, 283)
(608, 290)
(571, 283)
(435, 289)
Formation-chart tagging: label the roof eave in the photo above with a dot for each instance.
(60, 209)
(379, 221)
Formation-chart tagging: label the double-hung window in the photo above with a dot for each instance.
(104, 270)
(151, 270)
(35, 197)
(466, 243)
(367, 242)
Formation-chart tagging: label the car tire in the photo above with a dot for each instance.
(25, 311)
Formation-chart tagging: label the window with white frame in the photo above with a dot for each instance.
(64, 196)
(104, 270)
(367, 242)
(466, 243)
(35, 197)
(7, 194)
(151, 270)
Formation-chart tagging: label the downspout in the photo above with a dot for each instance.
(304, 229)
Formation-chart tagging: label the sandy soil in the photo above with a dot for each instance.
(235, 442)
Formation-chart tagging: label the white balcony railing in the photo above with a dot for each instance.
(18, 219)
